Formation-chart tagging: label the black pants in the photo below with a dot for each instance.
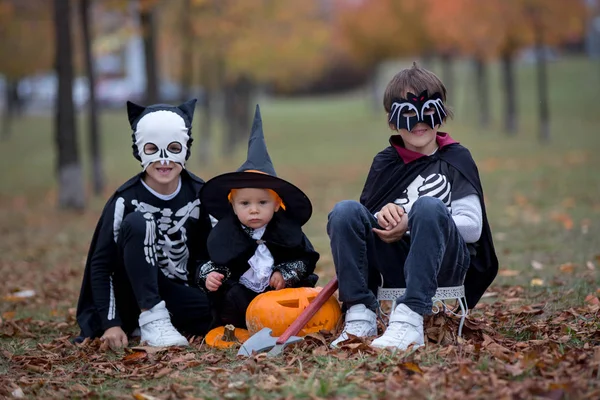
(231, 302)
(139, 284)
(436, 254)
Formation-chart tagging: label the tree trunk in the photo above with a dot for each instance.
(207, 105)
(10, 88)
(510, 94)
(70, 176)
(542, 83)
(149, 35)
(483, 93)
(94, 136)
(186, 51)
(448, 75)
(237, 114)
(205, 145)
(374, 91)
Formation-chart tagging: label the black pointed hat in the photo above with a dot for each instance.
(256, 172)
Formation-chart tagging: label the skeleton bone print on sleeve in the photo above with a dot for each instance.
(435, 185)
(166, 237)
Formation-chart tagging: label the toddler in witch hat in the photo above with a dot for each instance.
(258, 243)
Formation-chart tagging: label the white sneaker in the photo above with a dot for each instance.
(405, 328)
(360, 321)
(157, 330)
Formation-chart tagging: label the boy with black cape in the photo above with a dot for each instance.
(421, 222)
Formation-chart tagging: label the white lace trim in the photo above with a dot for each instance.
(257, 277)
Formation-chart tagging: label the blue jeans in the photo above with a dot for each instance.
(433, 255)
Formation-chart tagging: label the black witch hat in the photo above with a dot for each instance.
(256, 172)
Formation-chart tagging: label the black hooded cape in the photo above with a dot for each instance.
(389, 176)
(230, 246)
(88, 318)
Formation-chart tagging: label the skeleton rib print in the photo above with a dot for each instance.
(435, 185)
(165, 238)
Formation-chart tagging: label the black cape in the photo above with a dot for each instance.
(389, 176)
(87, 316)
(230, 246)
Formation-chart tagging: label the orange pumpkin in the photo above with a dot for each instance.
(277, 310)
(226, 336)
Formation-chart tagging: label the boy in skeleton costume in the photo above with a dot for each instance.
(258, 243)
(140, 260)
(421, 221)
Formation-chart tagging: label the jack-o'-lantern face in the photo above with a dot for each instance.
(279, 308)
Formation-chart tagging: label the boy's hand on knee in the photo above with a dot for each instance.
(277, 282)
(214, 280)
(394, 234)
(390, 216)
(115, 337)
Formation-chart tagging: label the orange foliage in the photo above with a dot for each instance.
(376, 30)
(26, 33)
(266, 41)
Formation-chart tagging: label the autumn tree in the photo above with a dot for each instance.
(472, 33)
(22, 24)
(238, 45)
(70, 176)
(551, 22)
(533, 23)
(378, 30)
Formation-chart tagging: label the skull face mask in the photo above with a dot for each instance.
(406, 113)
(161, 132)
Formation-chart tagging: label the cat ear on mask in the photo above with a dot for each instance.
(188, 109)
(133, 112)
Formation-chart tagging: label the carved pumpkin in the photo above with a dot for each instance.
(226, 336)
(277, 310)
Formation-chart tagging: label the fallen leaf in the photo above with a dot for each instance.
(409, 366)
(135, 356)
(8, 315)
(590, 265)
(592, 300)
(150, 349)
(508, 272)
(163, 372)
(143, 396)
(537, 282)
(80, 388)
(567, 268)
(537, 265)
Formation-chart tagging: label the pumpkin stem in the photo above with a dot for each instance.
(229, 334)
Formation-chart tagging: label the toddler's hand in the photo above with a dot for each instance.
(277, 282)
(389, 216)
(115, 337)
(214, 281)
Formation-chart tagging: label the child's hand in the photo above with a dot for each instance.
(115, 337)
(214, 281)
(277, 282)
(394, 234)
(389, 216)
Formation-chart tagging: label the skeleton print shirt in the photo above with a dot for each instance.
(172, 225)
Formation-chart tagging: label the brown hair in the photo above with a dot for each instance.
(414, 79)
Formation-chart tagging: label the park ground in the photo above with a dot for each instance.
(535, 334)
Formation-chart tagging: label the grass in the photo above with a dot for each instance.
(543, 203)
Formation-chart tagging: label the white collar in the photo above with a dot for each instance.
(161, 196)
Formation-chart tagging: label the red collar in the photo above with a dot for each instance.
(443, 139)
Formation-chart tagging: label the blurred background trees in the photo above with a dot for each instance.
(228, 52)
